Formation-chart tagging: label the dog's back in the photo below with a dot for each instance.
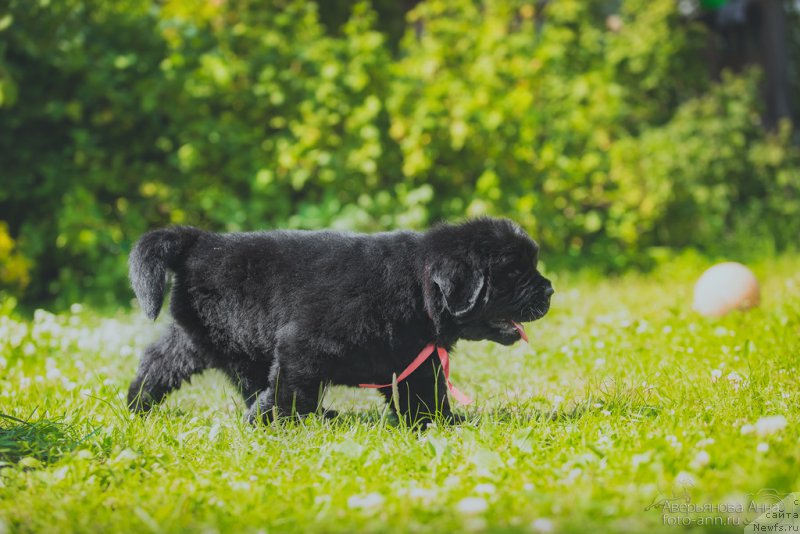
(228, 286)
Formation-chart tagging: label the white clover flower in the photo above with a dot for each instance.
(475, 524)
(734, 377)
(701, 459)
(639, 459)
(735, 380)
(762, 447)
(421, 493)
(542, 525)
(684, 479)
(572, 475)
(452, 481)
(604, 442)
(488, 489)
(14, 333)
(472, 505)
(747, 429)
(53, 373)
(239, 485)
(705, 442)
(29, 349)
(766, 426)
(319, 500)
(716, 374)
(370, 500)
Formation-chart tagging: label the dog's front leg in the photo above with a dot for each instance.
(422, 396)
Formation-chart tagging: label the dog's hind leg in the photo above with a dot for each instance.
(249, 375)
(295, 387)
(164, 366)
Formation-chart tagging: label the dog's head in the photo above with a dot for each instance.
(482, 275)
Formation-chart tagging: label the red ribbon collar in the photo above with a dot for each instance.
(423, 355)
(429, 349)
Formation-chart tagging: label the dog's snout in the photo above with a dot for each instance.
(548, 291)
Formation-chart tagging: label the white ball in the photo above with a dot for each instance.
(726, 287)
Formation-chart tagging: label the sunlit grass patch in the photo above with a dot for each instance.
(623, 398)
(33, 442)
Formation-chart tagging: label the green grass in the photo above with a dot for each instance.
(624, 397)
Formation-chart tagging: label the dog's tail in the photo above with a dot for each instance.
(152, 255)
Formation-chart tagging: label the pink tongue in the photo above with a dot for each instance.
(521, 331)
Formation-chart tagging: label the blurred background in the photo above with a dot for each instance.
(620, 133)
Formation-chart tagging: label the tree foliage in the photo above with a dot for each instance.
(608, 142)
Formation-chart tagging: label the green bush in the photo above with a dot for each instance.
(710, 177)
(505, 119)
(608, 144)
(78, 139)
(14, 267)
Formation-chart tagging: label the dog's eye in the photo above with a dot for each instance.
(515, 272)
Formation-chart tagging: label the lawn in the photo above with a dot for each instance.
(623, 398)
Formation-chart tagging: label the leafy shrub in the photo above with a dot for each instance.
(505, 118)
(14, 267)
(711, 176)
(79, 138)
(607, 141)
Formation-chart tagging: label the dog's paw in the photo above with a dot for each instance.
(140, 403)
(423, 422)
(456, 419)
(255, 416)
(329, 414)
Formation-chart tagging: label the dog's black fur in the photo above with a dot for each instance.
(284, 313)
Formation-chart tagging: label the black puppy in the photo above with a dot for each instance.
(284, 313)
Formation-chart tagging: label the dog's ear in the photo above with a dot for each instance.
(460, 284)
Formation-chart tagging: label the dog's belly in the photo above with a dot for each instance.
(372, 363)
